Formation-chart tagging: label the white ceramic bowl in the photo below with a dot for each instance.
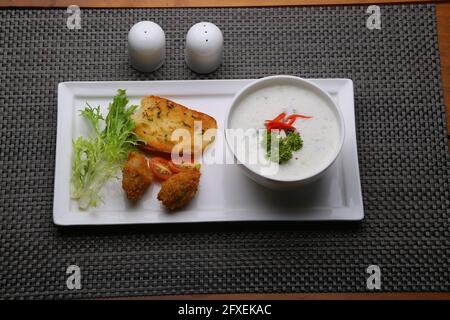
(273, 182)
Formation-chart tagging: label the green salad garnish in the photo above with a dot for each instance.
(279, 149)
(99, 157)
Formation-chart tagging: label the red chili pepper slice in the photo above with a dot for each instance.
(279, 125)
(296, 115)
(280, 117)
(290, 121)
(282, 123)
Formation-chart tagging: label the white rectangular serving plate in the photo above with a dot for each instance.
(225, 193)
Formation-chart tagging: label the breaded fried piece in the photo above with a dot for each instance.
(136, 176)
(179, 189)
(158, 118)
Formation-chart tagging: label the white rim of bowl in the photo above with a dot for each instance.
(307, 82)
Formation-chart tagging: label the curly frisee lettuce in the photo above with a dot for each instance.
(99, 157)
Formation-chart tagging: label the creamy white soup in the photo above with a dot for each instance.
(320, 134)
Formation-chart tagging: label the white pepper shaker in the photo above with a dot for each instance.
(146, 46)
(204, 47)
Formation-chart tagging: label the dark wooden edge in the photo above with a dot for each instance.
(443, 26)
(300, 296)
(196, 3)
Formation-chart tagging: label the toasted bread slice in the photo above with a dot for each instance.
(158, 118)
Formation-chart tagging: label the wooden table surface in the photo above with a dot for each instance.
(443, 20)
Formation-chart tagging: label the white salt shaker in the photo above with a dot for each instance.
(204, 47)
(146, 46)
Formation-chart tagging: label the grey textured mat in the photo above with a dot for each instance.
(401, 138)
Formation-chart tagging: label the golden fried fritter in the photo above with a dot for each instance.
(179, 189)
(136, 176)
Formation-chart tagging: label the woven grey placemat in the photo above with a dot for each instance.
(401, 139)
